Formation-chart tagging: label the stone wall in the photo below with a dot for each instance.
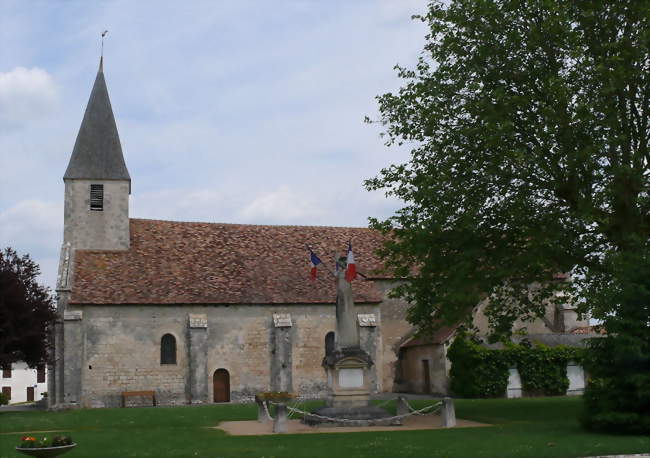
(118, 349)
(412, 369)
(96, 230)
(395, 330)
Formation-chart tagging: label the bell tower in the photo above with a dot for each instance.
(97, 182)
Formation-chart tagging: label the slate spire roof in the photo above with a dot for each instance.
(97, 153)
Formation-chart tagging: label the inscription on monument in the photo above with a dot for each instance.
(351, 377)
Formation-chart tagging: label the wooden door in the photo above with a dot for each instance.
(30, 394)
(221, 385)
(427, 376)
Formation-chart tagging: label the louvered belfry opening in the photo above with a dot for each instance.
(97, 197)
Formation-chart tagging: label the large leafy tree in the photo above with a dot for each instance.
(27, 312)
(529, 125)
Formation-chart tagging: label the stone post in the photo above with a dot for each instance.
(280, 422)
(198, 358)
(401, 406)
(448, 413)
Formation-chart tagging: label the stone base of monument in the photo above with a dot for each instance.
(349, 399)
(368, 415)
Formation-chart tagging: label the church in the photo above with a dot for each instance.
(197, 312)
(206, 312)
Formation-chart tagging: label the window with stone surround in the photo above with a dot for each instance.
(168, 349)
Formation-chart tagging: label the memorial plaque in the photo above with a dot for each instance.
(351, 378)
(282, 320)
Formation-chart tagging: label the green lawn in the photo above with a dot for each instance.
(543, 427)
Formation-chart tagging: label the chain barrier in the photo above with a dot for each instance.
(349, 420)
(382, 404)
(266, 409)
(302, 397)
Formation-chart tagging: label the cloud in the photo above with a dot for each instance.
(260, 123)
(26, 93)
(283, 206)
(34, 227)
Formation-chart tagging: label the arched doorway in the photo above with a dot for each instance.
(221, 385)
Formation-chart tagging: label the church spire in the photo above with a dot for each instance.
(97, 153)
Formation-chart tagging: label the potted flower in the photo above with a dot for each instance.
(45, 448)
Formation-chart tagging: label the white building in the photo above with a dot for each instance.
(23, 384)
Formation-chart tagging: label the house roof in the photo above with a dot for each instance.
(97, 152)
(205, 263)
(441, 335)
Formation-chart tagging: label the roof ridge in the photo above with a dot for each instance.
(248, 224)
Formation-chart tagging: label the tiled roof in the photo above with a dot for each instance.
(443, 334)
(597, 329)
(204, 263)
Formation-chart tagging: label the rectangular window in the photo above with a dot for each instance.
(6, 390)
(40, 374)
(6, 371)
(97, 197)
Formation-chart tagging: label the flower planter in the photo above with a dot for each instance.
(275, 396)
(46, 452)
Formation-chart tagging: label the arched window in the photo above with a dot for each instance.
(168, 349)
(329, 342)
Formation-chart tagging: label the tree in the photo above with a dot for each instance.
(529, 125)
(27, 312)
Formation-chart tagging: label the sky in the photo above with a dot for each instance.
(228, 111)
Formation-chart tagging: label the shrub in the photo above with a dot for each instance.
(478, 372)
(617, 398)
(543, 369)
(4, 399)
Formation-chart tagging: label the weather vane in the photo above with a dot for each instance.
(103, 35)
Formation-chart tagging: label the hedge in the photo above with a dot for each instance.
(479, 372)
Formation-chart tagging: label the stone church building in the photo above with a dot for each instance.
(201, 312)
(197, 312)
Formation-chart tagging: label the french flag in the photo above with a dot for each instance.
(315, 260)
(351, 270)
